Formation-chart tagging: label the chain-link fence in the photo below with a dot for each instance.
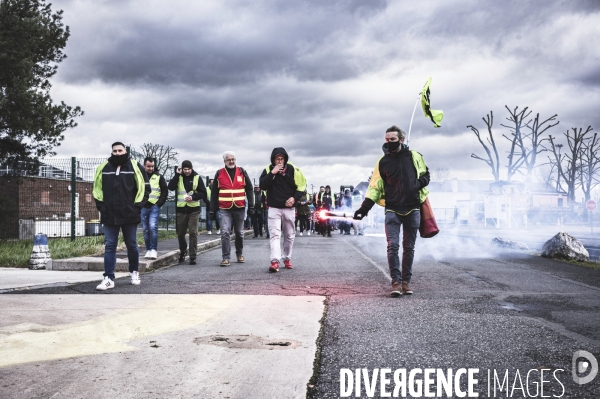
(54, 197)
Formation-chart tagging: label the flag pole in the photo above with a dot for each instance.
(412, 117)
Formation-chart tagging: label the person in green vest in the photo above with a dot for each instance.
(398, 183)
(120, 190)
(189, 190)
(151, 211)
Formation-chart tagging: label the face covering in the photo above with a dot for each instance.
(393, 146)
(118, 159)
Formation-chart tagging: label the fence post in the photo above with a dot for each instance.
(73, 191)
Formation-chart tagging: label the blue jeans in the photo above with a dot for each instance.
(232, 217)
(111, 238)
(150, 226)
(410, 225)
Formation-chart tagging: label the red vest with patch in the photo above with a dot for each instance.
(231, 192)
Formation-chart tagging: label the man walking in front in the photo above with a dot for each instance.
(285, 184)
(398, 183)
(189, 189)
(121, 189)
(151, 211)
(230, 190)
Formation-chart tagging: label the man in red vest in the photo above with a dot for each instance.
(231, 187)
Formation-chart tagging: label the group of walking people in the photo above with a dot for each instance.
(127, 193)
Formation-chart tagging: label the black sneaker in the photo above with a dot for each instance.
(192, 261)
(182, 255)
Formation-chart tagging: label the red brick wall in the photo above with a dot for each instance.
(49, 197)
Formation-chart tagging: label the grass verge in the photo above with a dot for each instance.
(17, 253)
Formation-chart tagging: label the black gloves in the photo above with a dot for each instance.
(361, 213)
(251, 211)
(365, 207)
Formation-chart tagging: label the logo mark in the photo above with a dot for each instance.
(581, 366)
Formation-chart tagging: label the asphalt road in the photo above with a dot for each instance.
(473, 308)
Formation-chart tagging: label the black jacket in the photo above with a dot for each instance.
(214, 190)
(119, 191)
(188, 184)
(399, 175)
(282, 186)
(164, 192)
(258, 200)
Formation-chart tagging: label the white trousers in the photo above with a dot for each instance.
(281, 220)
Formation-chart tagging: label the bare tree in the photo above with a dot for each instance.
(527, 138)
(165, 157)
(546, 173)
(532, 143)
(589, 166)
(492, 161)
(570, 172)
(441, 174)
(516, 141)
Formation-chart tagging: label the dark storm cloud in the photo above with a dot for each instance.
(278, 38)
(250, 76)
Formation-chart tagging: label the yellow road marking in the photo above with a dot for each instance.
(109, 333)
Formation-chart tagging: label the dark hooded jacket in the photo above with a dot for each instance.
(399, 175)
(118, 189)
(287, 183)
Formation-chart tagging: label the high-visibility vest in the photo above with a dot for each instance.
(181, 193)
(154, 189)
(231, 192)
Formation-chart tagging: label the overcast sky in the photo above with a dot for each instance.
(324, 79)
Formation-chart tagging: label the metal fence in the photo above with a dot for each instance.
(54, 197)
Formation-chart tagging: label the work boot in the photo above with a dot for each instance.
(288, 264)
(182, 255)
(192, 261)
(406, 289)
(274, 266)
(396, 289)
(225, 263)
(240, 259)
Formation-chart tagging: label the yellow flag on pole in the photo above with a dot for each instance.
(435, 115)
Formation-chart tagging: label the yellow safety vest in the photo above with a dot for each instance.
(181, 193)
(154, 189)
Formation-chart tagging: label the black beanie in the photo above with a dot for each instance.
(186, 164)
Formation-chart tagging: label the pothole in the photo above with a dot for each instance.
(247, 342)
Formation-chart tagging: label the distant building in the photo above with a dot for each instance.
(500, 204)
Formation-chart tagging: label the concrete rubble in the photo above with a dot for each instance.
(565, 246)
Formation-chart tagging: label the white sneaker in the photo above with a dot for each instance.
(135, 278)
(148, 254)
(308, 233)
(154, 254)
(300, 233)
(210, 232)
(106, 284)
(218, 231)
